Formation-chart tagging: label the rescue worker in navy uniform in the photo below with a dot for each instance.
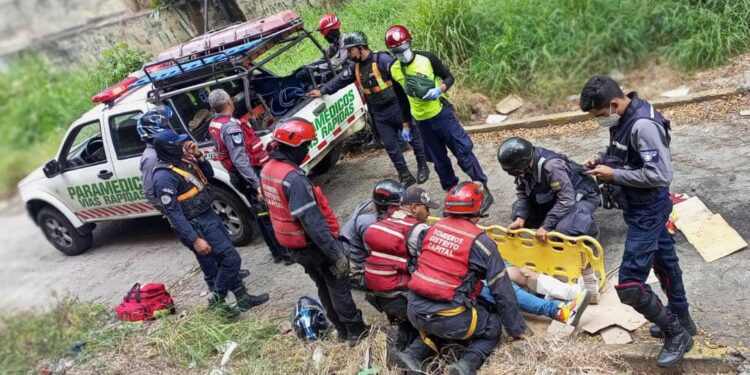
(552, 191)
(304, 223)
(386, 103)
(456, 256)
(386, 197)
(636, 169)
(425, 79)
(181, 183)
(242, 154)
(149, 125)
(393, 245)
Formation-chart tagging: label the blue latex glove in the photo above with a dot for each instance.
(406, 134)
(433, 94)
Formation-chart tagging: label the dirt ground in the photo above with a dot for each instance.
(710, 154)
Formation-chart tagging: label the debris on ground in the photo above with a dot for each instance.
(509, 104)
(285, 327)
(676, 93)
(229, 348)
(615, 335)
(709, 233)
(495, 119)
(745, 112)
(610, 312)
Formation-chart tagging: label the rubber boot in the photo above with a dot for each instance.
(405, 177)
(246, 301)
(677, 342)
(423, 172)
(487, 201)
(467, 365)
(412, 357)
(356, 332)
(685, 320)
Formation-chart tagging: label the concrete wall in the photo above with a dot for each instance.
(75, 32)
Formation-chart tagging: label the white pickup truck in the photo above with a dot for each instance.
(95, 175)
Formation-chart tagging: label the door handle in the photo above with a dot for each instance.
(105, 175)
(319, 109)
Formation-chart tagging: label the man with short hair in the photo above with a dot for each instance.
(242, 154)
(180, 181)
(636, 171)
(386, 103)
(393, 245)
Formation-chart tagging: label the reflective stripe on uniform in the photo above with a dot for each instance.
(388, 256)
(451, 229)
(497, 277)
(380, 272)
(382, 85)
(387, 230)
(303, 208)
(433, 280)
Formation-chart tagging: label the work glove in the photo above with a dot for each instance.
(340, 268)
(433, 94)
(406, 134)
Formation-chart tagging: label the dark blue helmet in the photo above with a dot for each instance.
(309, 319)
(154, 122)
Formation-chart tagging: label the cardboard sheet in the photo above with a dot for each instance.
(709, 233)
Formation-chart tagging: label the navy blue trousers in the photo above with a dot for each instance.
(649, 244)
(263, 221)
(444, 132)
(221, 266)
(389, 123)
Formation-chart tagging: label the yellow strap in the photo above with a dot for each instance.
(451, 312)
(382, 85)
(188, 194)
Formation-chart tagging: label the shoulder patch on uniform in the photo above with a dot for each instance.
(555, 185)
(650, 156)
(166, 199)
(167, 190)
(237, 138)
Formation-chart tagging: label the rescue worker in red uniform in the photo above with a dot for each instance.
(393, 246)
(242, 154)
(456, 256)
(305, 224)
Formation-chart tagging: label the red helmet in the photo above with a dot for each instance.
(397, 35)
(294, 132)
(327, 23)
(464, 199)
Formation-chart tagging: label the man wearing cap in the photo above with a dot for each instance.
(456, 257)
(386, 103)
(304, 222)
(393, 245)
(181, 183)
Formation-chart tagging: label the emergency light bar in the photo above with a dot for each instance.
(115, 91)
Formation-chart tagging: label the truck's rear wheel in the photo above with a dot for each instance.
(234, 214)
(61, 233)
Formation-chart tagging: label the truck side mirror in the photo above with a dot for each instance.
(52, 168)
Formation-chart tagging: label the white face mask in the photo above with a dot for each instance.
(406, 56)
(608, 121)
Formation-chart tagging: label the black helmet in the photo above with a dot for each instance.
(515, 154)
(387, 193)
(355, 39)
(309, 321)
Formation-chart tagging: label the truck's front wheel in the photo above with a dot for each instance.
(61, 233)
(234, 214)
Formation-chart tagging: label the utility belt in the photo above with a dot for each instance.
(622, 197)
(451, 312)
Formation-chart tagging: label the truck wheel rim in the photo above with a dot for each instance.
(229, 217)
(58, 232)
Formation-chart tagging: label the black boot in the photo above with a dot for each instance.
(246, 301)
(677, 341)
(467, 365)
(487, 201)
(405, 177)
(341, 332)
(356, 332)
(288, 261)
(685, 320)
(423, 172)
(244, 274)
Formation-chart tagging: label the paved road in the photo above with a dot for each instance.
(711, 161)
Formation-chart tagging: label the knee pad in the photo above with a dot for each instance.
(643, 301)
